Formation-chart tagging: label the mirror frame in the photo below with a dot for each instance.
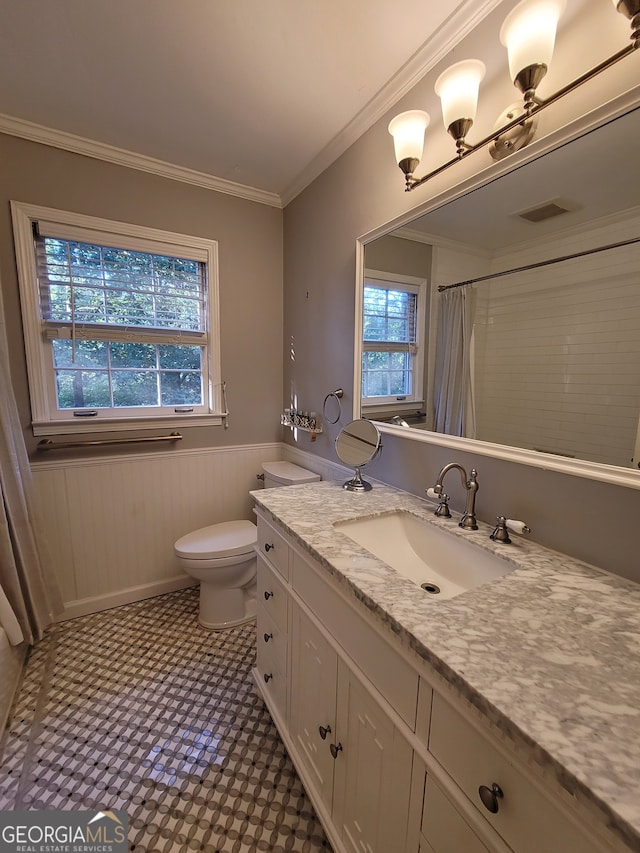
(613, 474)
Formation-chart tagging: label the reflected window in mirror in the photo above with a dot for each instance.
(393, 343)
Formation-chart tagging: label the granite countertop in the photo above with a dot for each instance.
(550, 652)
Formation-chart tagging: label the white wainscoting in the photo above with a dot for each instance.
(110, 524)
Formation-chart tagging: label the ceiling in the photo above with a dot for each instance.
(262, 94)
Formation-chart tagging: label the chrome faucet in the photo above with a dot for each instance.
(468, 520)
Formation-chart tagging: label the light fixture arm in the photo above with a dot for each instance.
(463, 149)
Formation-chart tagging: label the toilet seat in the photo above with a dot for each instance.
(229, 539)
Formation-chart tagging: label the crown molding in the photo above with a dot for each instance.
(469, 14)
(438, 241)
(121, 157)
(449, 34)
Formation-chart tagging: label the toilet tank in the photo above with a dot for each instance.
(286, 474)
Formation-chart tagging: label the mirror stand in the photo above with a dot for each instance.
(358, 443)
(357, 484)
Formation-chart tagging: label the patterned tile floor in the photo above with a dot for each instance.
(139, 708)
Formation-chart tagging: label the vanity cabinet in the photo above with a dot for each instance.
(314, 685)
(498, 787)
(272, 637)
(391, 756)
(359, 764)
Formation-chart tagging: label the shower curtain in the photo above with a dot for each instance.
(454, 393)
(29, 599)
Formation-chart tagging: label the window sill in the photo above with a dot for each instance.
(392, 408)
(124, 424)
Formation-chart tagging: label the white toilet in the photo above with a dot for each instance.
(223, 559)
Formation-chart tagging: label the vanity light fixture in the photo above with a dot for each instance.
(528, 33)
(457, 88)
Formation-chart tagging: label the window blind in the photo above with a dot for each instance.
(390, 319)
(94, 291)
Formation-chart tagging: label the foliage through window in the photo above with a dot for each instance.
(390, 341)
(124, 321)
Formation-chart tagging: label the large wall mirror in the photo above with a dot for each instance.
(507, 321)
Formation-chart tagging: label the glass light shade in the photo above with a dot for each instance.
(529, 33)
(457, 88)
(408, 130)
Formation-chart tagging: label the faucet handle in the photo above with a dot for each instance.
(442, 510)
(517, 526)
(504, 525)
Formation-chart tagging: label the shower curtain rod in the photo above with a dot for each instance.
(537, 265)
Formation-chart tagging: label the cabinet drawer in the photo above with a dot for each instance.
(272, 595)
(274, 684)
(273, 546)
(444, 828)
(271, 643)
(390, 673)
(271, 664)
(526, 819)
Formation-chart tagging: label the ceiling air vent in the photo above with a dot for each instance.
(547, 210)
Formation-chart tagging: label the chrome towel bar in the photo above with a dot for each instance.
(48, 444)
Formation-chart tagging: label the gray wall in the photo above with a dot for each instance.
(249, 239)
(361, 191)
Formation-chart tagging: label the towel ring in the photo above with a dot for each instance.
(337, 395)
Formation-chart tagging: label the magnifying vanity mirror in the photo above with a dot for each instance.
(357, 444)
(507, 321)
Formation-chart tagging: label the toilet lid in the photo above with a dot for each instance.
(218, 540)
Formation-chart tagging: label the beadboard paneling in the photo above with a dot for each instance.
(110, 524)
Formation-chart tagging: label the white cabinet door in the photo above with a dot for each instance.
(372, 773)
(314, 670)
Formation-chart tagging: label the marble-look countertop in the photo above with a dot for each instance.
(550, 652)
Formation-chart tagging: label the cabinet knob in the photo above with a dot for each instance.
(335, 748)
(267, 595)
(268, 637)
(267, 677)
(490, 797)
(324, 731)
(268, 547)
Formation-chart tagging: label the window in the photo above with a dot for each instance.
(121, 322)
(392, 339)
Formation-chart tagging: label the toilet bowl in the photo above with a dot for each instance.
(223, 558)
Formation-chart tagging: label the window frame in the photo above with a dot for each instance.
(47, 419)
(396, 403)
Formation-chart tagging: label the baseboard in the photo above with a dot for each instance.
(85, 606)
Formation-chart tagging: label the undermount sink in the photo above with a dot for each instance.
(437, 561)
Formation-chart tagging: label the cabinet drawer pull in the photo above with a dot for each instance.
(267, 595)
(490, 797)
(267, 677)
(335, 748)
(268, 547)
(324, 731)
(268, 637)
